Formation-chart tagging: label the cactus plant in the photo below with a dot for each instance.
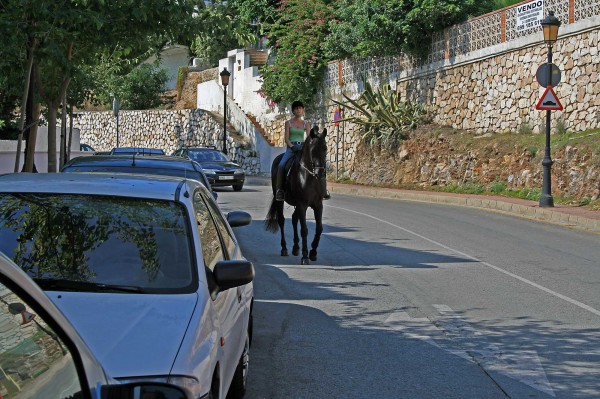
(385, 119)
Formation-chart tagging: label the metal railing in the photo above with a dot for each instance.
(473, 35)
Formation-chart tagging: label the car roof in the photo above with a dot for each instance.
(116, 184)
(202, 149)
(140, 150)
(157, 161)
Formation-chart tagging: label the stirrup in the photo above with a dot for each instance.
(279, 195)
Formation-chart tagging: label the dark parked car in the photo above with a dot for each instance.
(163, 165)
(86, 148)
(136, 150)
(218, 168)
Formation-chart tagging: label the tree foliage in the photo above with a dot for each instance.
(223, 30)
(388, 27)
(142, 87)
(296, 37)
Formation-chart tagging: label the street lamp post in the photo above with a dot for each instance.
(550, 26)
(116, 107)
(225, 74)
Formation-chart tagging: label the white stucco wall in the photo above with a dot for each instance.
(171, 58)
(210, 98)
(8, 151)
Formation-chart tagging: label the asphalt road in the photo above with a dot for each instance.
(417, 300)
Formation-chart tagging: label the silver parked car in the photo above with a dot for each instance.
(146, 268)
(42, 355)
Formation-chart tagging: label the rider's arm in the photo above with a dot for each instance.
(288, 143)
(306, 129)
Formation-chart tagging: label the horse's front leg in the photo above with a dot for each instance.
(318, 210)
(281, 222)
(304, 235)
(296, 247)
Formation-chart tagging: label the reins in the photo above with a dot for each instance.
(315, 169)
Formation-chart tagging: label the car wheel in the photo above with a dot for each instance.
(237, 390)
(238, 187)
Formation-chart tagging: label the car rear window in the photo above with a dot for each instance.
(203, 156)
(176, 172)
(99, 242)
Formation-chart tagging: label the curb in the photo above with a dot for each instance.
(565, 216)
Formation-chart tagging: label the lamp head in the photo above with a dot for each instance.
(550, 26)
(225, 74)
(116, 106)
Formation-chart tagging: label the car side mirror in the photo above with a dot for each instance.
(145, 390)
(233, 273)
(238, 218)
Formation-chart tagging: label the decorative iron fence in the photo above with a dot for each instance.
(476, 34)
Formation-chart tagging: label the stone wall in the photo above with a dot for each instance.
(168, 130)
(434, 157)
(499, 94)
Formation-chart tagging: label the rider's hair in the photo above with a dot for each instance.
(297, 104)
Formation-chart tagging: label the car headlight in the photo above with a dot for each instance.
(238, 171)
(190, 383)
(210, 171)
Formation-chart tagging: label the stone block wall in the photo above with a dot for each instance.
(500, 93)
(165, 129)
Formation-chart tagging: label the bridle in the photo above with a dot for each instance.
(315, 171)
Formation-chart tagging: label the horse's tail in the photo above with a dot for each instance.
(271, 223)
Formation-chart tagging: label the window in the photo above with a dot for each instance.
(226, 233)
(35, 363)
(212, 251)
(94, 240)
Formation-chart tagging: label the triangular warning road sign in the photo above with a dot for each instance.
(549, 101)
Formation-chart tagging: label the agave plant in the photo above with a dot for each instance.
(385, 119)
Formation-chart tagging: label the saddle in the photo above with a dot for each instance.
(290, 162)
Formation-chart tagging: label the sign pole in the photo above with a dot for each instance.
(546, 199)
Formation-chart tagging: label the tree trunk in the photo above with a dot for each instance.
(33, 117)
(30, 53)
(70, 133)
(63, 132)
(52, 109)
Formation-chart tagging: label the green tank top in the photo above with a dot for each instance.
(297, 134)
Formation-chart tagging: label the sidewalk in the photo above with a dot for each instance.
(576, 217)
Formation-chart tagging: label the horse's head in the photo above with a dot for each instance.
(314, 151)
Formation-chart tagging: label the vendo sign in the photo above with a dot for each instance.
(529, 15)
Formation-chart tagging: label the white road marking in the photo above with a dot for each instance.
(454, 335)
(506, 272)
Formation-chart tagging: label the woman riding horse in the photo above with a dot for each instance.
(295, 128)
(304, 189)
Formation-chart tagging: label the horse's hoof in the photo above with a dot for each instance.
(312, 255)
(295, 251)
(284, 252)
(304, 261)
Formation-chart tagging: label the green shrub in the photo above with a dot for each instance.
(561, 126)
(142, 87)
(532, 150)
(525, 128)
(498, 187)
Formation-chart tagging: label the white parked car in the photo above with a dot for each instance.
(43, 356)
(146, 268)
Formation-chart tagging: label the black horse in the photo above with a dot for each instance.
(303, 189)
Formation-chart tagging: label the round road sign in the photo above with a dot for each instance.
(542, 75)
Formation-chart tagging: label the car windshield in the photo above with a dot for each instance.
(204, 155)
(98, 243)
